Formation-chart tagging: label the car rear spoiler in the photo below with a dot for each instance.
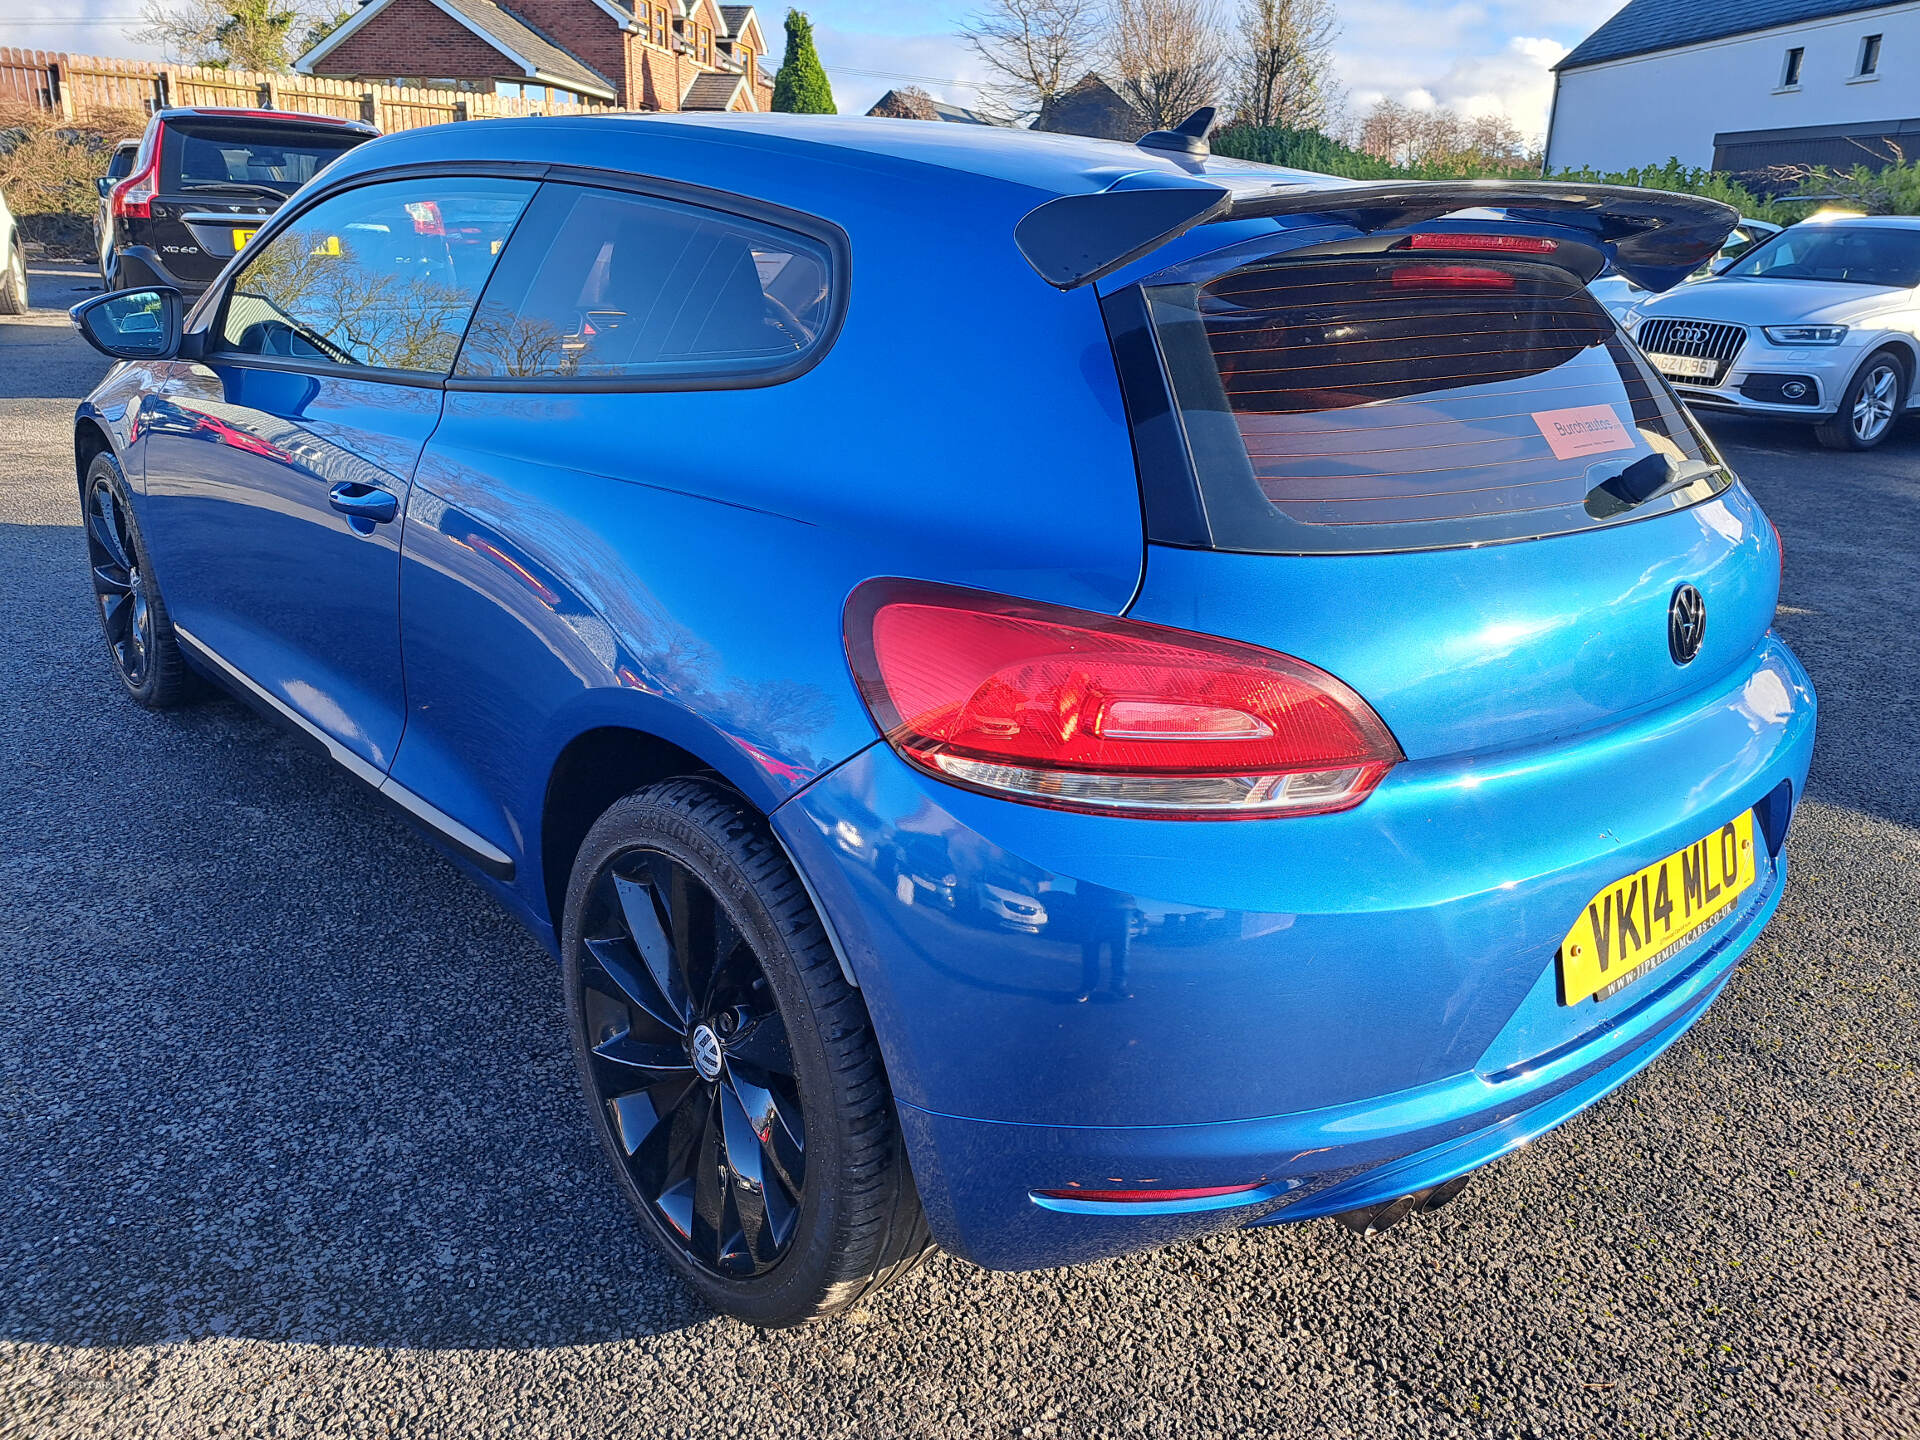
(1653, 237)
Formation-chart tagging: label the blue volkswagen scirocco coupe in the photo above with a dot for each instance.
(1048, 696)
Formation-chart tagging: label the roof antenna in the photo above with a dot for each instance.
(1189, 137)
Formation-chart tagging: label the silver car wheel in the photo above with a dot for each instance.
(1879, 396)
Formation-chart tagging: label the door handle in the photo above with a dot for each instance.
(367, 504)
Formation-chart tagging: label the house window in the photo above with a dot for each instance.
(508, 89)
(659, 24)
(703, 44)
(1869, 56)
(1790, 77)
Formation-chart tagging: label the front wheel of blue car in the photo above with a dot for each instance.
(732, 1071)
(133, 616)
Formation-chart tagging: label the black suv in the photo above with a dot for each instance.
(204, 181)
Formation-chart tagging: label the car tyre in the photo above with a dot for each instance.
(1871, 405)
(732, 1072)
(13, 283)
(133, 616)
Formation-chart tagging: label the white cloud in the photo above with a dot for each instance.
(1462, 56)
(86, 27)
(863, 66)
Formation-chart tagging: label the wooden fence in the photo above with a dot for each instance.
(78, 86)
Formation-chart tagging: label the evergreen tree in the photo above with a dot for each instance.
(800, 87)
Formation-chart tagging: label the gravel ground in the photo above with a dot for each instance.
(291, 1141)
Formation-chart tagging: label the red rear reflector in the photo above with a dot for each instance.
(1120, 1197)
(1082, 711)
(1450, 277)
(1463, 240)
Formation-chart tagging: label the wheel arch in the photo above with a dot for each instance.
(90, 438)
(592, 771)
(599, 766)
(1906, 347)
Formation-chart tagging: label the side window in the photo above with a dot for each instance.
(384, 276)
(600, 284)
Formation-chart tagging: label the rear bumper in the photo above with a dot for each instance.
(1341, 1008)
(140, 265)
(1311, 1165)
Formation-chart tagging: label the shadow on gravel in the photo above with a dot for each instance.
(269, 1066)
(1851, 528)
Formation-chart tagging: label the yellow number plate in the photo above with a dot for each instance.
(241, 237)
(1646, 919)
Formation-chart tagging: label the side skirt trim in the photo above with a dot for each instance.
(470, 843)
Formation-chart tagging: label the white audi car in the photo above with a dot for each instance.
(1820, 323)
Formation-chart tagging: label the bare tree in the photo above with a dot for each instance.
(1441, 136)
(1034, 48)
(246, 34)
(1497, 140)
(1167, 57)
(1285, 70)
(1387, 132)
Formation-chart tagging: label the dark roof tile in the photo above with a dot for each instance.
(712, 92)
(1645, 26)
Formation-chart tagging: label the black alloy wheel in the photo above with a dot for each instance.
(132, 614)
(691, 1061)
(124, 613)
(732, 1069)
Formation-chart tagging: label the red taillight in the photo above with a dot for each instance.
(1462, 240)
(133, 196)
(1450, 277)
(1082, 711)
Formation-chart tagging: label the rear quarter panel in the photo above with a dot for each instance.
(678, 562)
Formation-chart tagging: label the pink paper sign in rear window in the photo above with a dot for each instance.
(1583, 430)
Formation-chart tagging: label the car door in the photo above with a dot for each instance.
(277, 466)
(626, 364)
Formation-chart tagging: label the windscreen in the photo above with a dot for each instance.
(259, 157)
(1384, 403)
(1850, 254)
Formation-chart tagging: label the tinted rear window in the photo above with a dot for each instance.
(1385, 404)
(249, 156)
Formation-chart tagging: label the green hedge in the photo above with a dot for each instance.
(1895, 190)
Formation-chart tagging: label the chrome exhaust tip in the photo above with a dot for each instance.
(1370, 1220)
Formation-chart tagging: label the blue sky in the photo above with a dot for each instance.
(1477, 55)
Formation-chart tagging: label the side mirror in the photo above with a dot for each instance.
(102, 184)
(131, 324)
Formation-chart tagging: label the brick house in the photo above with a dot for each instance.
(626, 54)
